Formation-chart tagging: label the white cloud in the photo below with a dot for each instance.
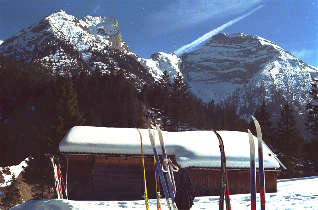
(184, 13)
(1, 42)
(195, 43)
(303, 53)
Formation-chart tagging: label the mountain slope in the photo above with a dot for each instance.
(245, 70)
(160, 62)
(63, 43)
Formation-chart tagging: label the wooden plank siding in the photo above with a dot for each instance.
(207, 181)
(109, 178)
(101, 177)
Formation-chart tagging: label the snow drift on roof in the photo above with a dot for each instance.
(191, 148)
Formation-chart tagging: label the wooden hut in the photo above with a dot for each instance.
(105, 163)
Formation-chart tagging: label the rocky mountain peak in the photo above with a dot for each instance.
(83, 34)
(245, 70)
(65, 44)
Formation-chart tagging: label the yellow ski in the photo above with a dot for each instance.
(143, 165)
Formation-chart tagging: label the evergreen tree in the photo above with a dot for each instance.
(12, 195)
(312, 124)
(165, 82)
(312, 113)
(67, 113)
(39, 174)
(180, 107)
(289, 138)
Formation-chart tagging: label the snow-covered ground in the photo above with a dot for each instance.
(297, 193)
(16, 170)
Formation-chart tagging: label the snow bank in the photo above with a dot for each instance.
(292, 194)
(191, 148)
(16, 170)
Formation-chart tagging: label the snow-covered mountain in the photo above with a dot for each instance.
(1, 42)
(160, 62)
(246, 70)
(242, 68)
(63, 43)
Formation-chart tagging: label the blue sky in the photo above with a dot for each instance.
(149, 26)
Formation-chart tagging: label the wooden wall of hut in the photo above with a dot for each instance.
(207, 181)
(97, 177)
(109, 177)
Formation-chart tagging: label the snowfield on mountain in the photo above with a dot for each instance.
(160, 62)
(63, 43)
(248, 69)
(296, 193)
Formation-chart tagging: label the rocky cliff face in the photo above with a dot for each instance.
(245, 70)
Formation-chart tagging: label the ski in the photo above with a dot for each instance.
(224, 183)
(168, 169)
(144, 170)
(157, 182)
(252, 171)
(157, 185)
(167, 165)
(261, 174)
(159, 170)
(58, 186)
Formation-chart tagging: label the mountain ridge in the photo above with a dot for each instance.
(62, 43)
(246, 69)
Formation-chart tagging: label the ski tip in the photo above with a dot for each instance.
(253, 118)
(257, 125)
(217, 134)
(258, 129)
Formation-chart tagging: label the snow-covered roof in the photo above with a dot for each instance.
(191, 148)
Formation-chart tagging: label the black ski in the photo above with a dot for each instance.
(252, 171)
(261, 173)
(224, 184)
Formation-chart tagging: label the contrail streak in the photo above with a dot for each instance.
(190, 46)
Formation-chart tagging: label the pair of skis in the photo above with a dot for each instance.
(253, 168)
(59, 182)
(167, 182)
(224, 188)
